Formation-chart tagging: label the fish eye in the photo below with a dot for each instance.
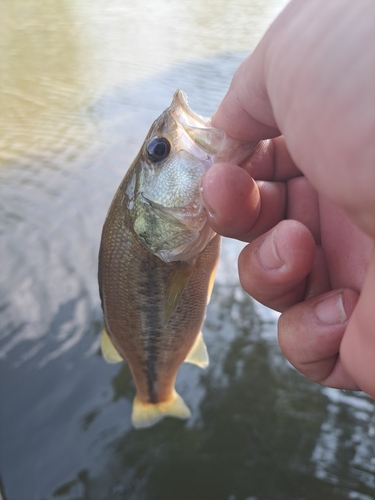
(158, 148)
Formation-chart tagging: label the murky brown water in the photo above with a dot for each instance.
(81, 82)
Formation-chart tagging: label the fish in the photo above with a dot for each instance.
(158, 256)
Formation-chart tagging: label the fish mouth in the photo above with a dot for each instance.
(192, 119)
(212, 140)
(206, 137)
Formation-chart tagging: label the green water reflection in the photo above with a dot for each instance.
(254, 437)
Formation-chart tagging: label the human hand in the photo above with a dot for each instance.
(310, 212)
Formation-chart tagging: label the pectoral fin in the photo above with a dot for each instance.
(176, 286)
(109, 352)
(147, 414)
(198, 354)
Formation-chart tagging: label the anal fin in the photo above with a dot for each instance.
(147, 414)
(108, 349)
(198, 354)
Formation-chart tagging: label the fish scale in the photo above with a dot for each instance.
(131, 276)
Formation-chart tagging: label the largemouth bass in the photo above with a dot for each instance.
(158, 257)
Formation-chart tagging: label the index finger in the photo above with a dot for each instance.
(245, 113)
(271, 161)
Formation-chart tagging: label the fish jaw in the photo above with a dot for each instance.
(169, 216)
(168, 236)
(168, 213)
(212, 140)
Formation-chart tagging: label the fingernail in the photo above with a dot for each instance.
(268, 255)
(331, 310)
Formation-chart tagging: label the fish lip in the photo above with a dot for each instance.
(180, 100)
(208, 139)
(221, 146)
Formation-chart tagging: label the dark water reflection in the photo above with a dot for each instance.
(259, 430)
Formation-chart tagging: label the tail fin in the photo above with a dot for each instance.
(147, 414)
